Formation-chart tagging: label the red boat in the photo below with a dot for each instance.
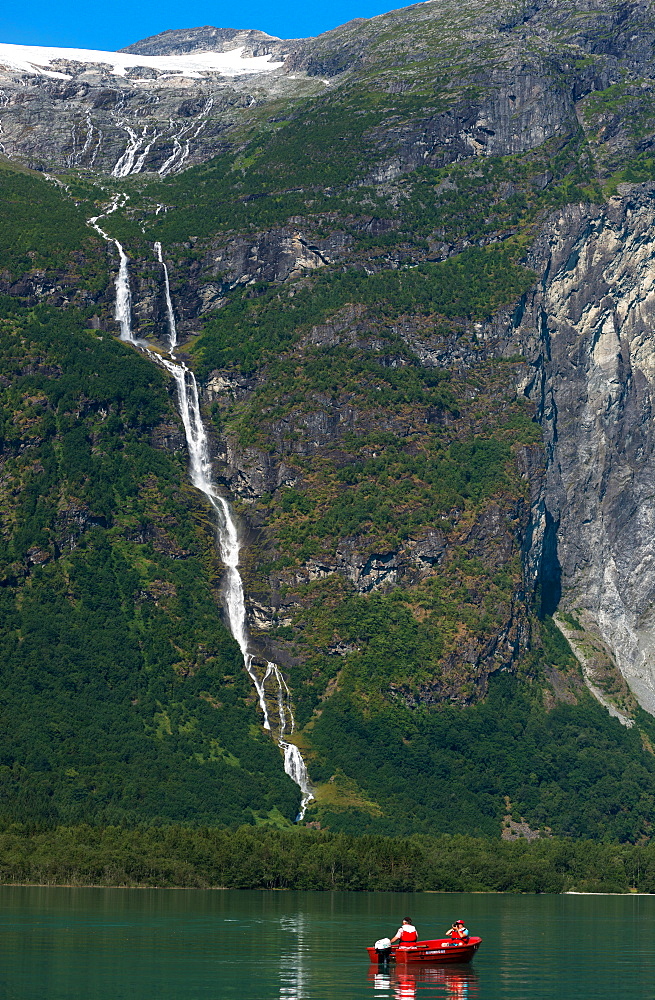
(439, 950)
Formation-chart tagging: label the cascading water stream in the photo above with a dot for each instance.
(228, 537)
(128, 162)
(138, 166)
(123, 308)
(172, 329)
(182, 142)
(123, 312)
(294, 765)
(229, 546)
(283, 697)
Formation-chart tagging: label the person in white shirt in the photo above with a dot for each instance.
(406, 933)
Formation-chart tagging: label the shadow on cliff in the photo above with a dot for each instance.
(550, 573)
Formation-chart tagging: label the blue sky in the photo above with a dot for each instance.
(113, 24)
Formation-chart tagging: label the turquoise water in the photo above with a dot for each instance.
(110, 944)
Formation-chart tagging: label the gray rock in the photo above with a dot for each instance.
(206, 39)
(588, 330)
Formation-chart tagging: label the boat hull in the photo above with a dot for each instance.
(436, 951)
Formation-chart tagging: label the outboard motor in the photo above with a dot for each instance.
(383, 950)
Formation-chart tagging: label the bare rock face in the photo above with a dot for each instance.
(82, 113)
(112, 125)
(73, 519)
(95, 114)
(272, 256)
(206, 39)
(168, 437)
(590, 332)
(520, 107)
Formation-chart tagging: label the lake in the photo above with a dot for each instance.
(177, 944)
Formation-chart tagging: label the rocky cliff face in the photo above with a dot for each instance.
(69, 108)
(416, 289)
(207, 39)
(588, 332)
(589, 544)
(94, 121)
(73, 110)
(583, 528)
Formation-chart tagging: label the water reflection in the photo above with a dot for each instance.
(95, 944)
(292, 961)
(400, 983)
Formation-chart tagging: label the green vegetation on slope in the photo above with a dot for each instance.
(123, 697)
(387, 456)
(40, 228)
(109, 585)
(620, 124)
(473, 201)
(263, 321)
(572, 770)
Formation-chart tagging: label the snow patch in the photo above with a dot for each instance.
(37, 60)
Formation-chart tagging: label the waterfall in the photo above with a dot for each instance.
(283, 697)
(200, 473)
(126, 160)
(138, 166)
(294, 766)
(180, 153)
(123, 308)
(126, 164)
(229, 546)
(76, 155)
(123, 314)
(172, 329)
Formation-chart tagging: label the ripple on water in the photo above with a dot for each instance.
(89, 944)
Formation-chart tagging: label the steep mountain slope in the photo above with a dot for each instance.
(123, 698)
(411, 269)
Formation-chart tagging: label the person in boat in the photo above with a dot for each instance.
(458, 932)
(406, 933)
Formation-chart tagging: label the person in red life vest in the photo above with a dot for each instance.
(458, 932)
(406, 933)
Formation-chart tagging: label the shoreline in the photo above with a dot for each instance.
(95, 885)
(225, 888)
(575, 892)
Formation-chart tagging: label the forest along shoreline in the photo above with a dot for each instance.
(303, 859)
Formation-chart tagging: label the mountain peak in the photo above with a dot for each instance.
(179, 41)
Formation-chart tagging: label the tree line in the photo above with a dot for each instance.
(264, 858)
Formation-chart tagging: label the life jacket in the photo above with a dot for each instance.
(408, 936)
